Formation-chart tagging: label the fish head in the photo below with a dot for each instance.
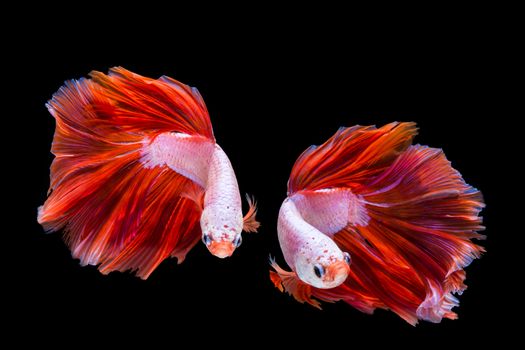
(322, 265)
(221, 232)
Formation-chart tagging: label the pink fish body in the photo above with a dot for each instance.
(206, 164)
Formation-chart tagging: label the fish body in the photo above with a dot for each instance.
(378, 223)
(138, 176)
(206, 164)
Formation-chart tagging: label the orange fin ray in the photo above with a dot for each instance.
(287, 281)
(250, 224)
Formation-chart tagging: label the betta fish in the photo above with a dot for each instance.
(377, 222)
(138, 176)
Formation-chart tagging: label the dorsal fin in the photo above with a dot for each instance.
(351, 157)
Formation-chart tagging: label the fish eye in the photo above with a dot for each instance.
(237, 241)
(347, 258)
(206, 239)
(319, 271)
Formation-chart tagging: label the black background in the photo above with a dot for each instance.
(267, 103)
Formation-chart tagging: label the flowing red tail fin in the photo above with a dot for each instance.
(422, 218)
(351, 157)
(143, 105)
(115, 212)
(409, 255)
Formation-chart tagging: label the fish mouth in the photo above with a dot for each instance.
(336, 273)
(221, 249)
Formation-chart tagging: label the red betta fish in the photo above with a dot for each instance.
(378, 223)
(138, 176)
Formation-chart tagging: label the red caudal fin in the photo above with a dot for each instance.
(116, 212)
(410, 255)
(351, 157)
(144, 104)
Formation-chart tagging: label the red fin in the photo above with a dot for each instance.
(289, 282)
(165, 220)
(351, 157)
(410, 256)
(147, 105)
(195, 193)
(187, 241)
(114, 211)
(250, 224)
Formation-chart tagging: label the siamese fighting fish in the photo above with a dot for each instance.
(138, 176)
(377, 222)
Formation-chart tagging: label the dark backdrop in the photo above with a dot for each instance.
(267, 105)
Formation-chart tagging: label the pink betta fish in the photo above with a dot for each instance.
(378, 223)
(138, 176)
